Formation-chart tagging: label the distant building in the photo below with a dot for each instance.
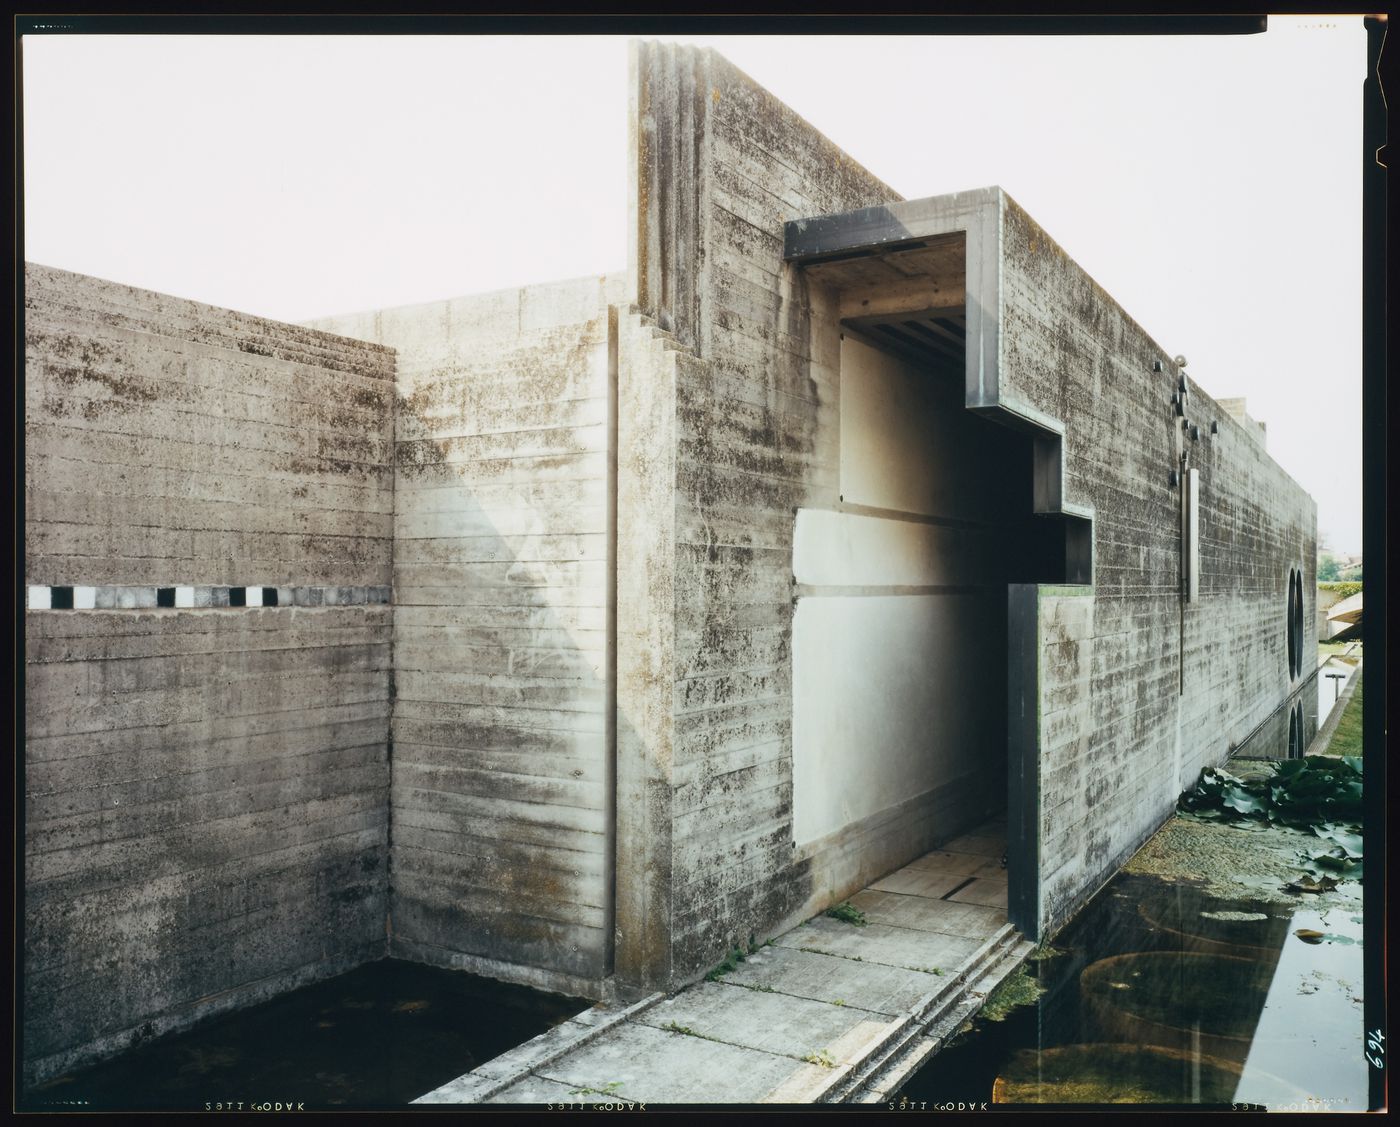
(1252, 427)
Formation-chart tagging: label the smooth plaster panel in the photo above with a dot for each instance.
(884, 705)
(848, 549)
(895, 417)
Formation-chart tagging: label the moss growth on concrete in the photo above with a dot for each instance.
(1018, 989)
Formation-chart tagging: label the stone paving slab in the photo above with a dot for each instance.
(966, 864)
(918, 913)
(987, 891)
(485, 1080)
(829, 978)
(798, 1019)
(987, 845)
(776, 1023)
(883, 944)
(931, 883)
(637, 1062)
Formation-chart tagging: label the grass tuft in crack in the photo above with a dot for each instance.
(848, 913)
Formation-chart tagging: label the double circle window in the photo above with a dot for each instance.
(1295, 622)
(1295, 732)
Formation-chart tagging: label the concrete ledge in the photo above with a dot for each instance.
(994, 964)
(1334, 718)
(495, 1075)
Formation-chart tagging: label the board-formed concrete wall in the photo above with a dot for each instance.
(728, 426)
(705, 707)
(205, 788)
(502, 783)
(574, 473)
(1172, 685)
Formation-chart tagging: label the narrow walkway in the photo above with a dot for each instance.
(823, 1013)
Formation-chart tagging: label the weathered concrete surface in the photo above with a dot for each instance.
(502, 783)
(170, 442)
(234, 451)
(1140, 689)
(732, 427)
(791, 1024)
(205, 789)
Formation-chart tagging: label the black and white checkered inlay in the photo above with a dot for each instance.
(152, 598)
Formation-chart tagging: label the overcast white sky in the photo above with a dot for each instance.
(1211, 184)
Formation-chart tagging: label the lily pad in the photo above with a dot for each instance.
(1315, 791)
(1311, 884)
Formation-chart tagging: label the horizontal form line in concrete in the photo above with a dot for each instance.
(77, 597)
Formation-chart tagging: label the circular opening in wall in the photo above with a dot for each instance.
(1295, 732)
(1298, 625)
(1292, 620)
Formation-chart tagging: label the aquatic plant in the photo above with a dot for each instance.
(1318, 793)
(1316, 790)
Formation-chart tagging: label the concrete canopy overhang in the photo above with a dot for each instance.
(906, 256)
(935, 262)
(908, 298)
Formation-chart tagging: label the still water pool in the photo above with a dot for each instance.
(1165, 994)
(379, 1036)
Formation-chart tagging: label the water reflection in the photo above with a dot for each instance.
(1287, 732)
(379, 1036)
(1332, 680)
(1167, 994)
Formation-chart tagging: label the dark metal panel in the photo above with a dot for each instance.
(1047, 476)
(1023, 759)
(850, 233)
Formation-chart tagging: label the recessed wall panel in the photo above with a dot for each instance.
(887, 704)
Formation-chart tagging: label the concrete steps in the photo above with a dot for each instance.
(883, 1075)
